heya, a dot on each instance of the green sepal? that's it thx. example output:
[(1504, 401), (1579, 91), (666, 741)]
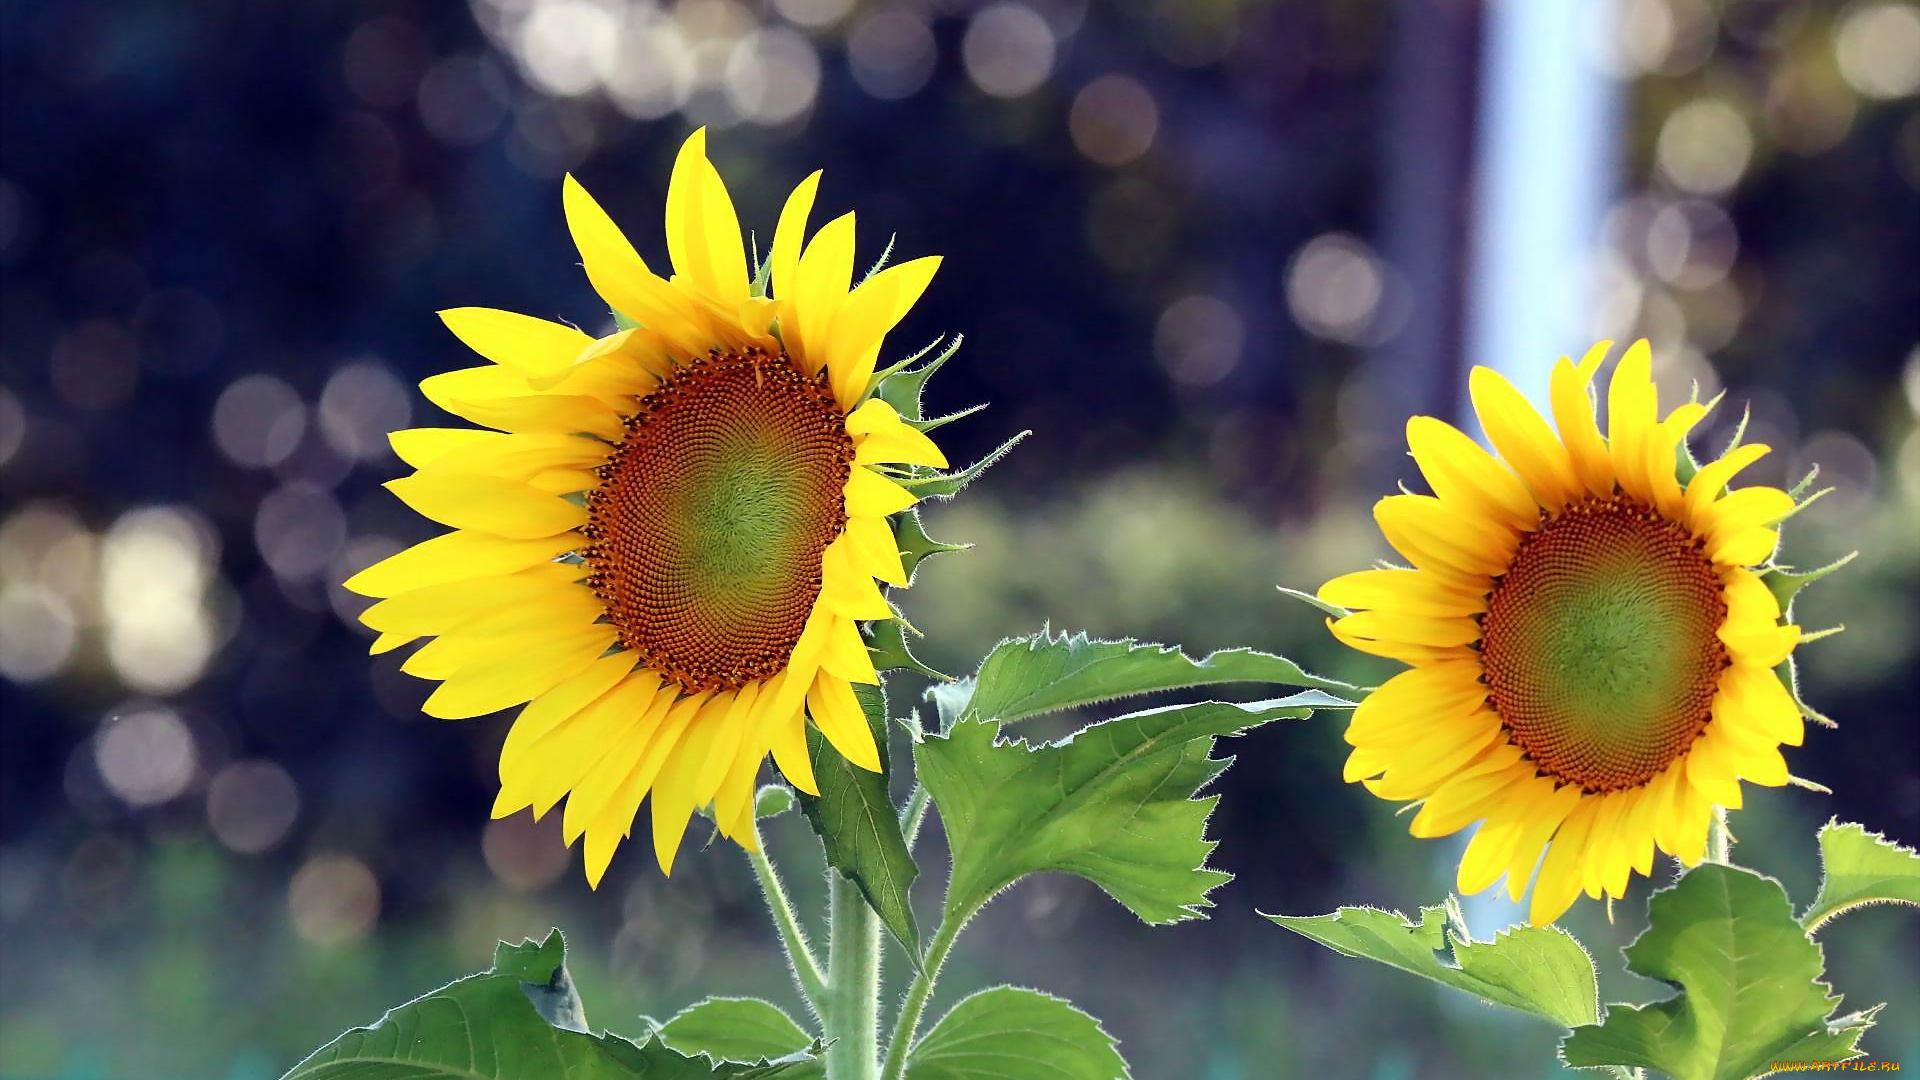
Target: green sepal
[(859, 827), (1858, 868), (1748, 982), (1307, 598), (1785, 583), (1540, 970), (902, 388), (948, 484), (887, 643), (916, 547), (623, 321), (1789, 675)]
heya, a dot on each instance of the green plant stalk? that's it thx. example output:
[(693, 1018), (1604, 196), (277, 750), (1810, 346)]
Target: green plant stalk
[(852, 1020), (1719, 839), (907, 1025), (806, 970), (914, 814)]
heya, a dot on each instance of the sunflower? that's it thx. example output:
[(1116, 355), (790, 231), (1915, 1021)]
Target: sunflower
[(1593, 653), (664, 541)]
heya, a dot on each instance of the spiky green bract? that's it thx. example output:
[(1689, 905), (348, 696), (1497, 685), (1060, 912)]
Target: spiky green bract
[(858, 826), (1541, 970), (1749, 987), (735, 1029), (1860, 868), (521, 1019), (1008, 1033), (1115, 803), (1048, 672)]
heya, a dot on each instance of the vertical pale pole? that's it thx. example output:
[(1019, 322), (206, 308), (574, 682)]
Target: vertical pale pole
[(1547, 151)]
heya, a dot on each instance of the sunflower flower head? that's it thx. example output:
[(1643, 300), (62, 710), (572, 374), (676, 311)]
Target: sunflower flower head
[(665, 542), (1597, 659)]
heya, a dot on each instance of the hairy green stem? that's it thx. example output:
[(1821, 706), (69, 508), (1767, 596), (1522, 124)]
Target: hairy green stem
[(907, 1025), (806, 970), (852, 1020), (915, 813), (1719, 839)]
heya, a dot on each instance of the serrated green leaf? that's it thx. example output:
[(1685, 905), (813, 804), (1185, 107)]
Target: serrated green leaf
[(1541, 970), (1045, 672), (1860, 868), (859, 827), (1007, 1033), (488, 1027), (916, 546), (735, 1029), (1115, 804), (1786, 583), (1749, 982), (948, 484)]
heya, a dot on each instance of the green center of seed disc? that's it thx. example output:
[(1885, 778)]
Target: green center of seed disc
[(1600, 644)]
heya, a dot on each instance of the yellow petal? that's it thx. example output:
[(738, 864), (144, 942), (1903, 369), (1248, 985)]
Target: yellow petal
[(1543, 817), (871, 311), (456, 556), (420, 447), (1463, 800), (1468, 477), (1742, 510), (1523, 438), (1434, 537), (838, 714), (703, 232), (546, 712), (613, 267), (823, 277), (484, 504), (1713, 477), (735, 718), (788, 235), (790, 752), (553, 414), (874, 549), (1413, 592), (1663, 457), (438, 608), (476, 691), (1632, 408), (846, 590), (1558, 883), (1415, 629), (1487, 854), (846, 655), (1756, 698), (533, 348), (1749, 547), (881, 437), (869, 494), (1573, 412)]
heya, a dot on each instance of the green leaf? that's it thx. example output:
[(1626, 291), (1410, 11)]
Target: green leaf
[(494, 1026), (1541, 970), (1115, 804), (1861, 868), (859, 827), (735, 1029), (1749, 982), (1045, 672), (1786, 582), (1007, 1033)]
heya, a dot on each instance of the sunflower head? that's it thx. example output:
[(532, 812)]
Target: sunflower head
[(666, 542), (1594, 627)]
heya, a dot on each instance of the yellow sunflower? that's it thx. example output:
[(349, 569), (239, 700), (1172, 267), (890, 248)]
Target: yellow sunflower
[(665, 540), (1592, 650)]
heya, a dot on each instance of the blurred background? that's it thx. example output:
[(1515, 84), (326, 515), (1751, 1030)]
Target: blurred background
[(1213, 252)]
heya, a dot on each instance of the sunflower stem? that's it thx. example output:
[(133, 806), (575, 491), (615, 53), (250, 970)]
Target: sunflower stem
[(806, 970), (1719, 838), (907, 1024), (852, 1020)]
